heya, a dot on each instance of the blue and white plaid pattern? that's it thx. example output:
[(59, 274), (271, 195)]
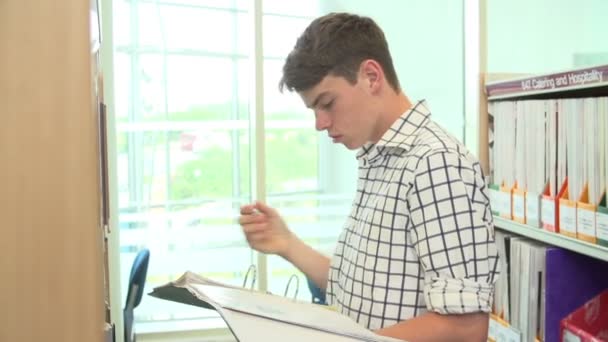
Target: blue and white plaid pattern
[(420, 235)]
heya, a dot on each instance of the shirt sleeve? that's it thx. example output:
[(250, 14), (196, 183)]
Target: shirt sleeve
[(452, 231)]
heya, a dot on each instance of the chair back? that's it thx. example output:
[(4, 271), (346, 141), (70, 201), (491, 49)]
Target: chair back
[(318, 295), (137, 281)]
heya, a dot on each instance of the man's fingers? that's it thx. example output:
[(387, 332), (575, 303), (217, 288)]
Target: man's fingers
[(263, 208), (248, 209), (255, 228), (247, 219), (256, 237)]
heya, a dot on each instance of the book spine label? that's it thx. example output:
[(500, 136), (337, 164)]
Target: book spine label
[(567, 220), (519, 206), (547, 213), (602, 225), (532, 209), (586, 224)]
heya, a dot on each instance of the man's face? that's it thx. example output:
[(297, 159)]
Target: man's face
[(342, 109)]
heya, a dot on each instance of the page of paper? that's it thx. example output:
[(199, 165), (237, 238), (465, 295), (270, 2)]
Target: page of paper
[(251, 328), (193, 278), (285, 310)]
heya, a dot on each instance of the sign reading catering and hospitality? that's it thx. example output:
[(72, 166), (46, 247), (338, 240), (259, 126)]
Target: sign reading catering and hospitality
[(581, 78)]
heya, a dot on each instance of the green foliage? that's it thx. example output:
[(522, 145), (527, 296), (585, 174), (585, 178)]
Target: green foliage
[(209, 112), (208, 176), (291, 156)]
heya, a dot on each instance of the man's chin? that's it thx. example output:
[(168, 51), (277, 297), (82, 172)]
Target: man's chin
[(351, 147), (348, 144)]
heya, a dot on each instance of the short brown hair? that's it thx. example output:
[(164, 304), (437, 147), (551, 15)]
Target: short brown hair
[(336, 44)]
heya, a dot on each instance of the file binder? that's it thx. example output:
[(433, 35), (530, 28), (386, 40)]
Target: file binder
[(567, 213), (585, 218), (501, 200), (549, 207), (601, 218), (519, 204), (533, 209), (245, 311), (500, 331)]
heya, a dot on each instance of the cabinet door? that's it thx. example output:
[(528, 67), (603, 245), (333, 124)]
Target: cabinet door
[(51, 243)]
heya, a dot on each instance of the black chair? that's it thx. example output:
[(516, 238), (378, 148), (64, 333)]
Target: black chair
[(137, 280), (318, 295)]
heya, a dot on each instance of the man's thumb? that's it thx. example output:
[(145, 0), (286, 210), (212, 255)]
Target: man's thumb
[(265, 209)]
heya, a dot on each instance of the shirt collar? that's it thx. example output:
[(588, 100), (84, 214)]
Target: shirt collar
[(400, 136)]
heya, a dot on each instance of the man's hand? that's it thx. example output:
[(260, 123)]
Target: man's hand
[(266, 232), (264, 229)]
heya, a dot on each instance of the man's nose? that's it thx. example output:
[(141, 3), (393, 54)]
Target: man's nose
[(322, 121)]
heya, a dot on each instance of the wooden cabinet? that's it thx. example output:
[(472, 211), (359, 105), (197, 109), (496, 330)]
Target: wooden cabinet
[(51, 247)]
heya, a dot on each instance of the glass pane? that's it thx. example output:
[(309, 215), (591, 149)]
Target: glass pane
[(182, 148), (286, 105), (200, 88), (292, 163), (150, 94), (291, 141), (187, 27), (280, 33), (227, 4), (121, 23), (122, 91), (292, 8), (300, 162), (551, 35)]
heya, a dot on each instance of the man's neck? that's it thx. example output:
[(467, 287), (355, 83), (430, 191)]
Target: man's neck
[(395, 106)]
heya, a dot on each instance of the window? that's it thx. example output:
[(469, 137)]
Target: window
[(182, 86), (182, 82)]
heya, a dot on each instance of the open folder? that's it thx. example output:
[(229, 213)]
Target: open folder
[(257, 316)]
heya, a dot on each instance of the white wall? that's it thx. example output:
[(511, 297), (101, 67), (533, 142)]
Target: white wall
[(426, 41), (546, 35)]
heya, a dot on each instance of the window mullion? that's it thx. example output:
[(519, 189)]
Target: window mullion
[(234, 115), (258, 167)]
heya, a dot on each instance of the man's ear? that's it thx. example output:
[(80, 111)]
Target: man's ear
[(372, 74)]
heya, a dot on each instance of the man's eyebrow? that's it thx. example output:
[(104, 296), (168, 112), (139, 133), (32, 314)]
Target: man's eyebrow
[(317, 99)]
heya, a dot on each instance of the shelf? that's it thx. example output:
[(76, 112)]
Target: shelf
[(573, 83), (554, 239)]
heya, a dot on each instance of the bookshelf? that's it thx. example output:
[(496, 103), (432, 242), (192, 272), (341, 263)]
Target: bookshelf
[(520, 141), (585, 82), (539, 234), (504, 86), (577, 83)]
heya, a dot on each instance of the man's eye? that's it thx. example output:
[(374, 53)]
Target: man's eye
[(328, 105)]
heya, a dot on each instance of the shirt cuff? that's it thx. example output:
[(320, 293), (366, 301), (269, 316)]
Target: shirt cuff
[(458, 296)]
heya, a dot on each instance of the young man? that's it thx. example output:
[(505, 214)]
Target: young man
[(416, 259)]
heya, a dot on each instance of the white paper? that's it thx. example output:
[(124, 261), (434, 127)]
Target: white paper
[(249, 313), (251, 328), (285, 310)]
